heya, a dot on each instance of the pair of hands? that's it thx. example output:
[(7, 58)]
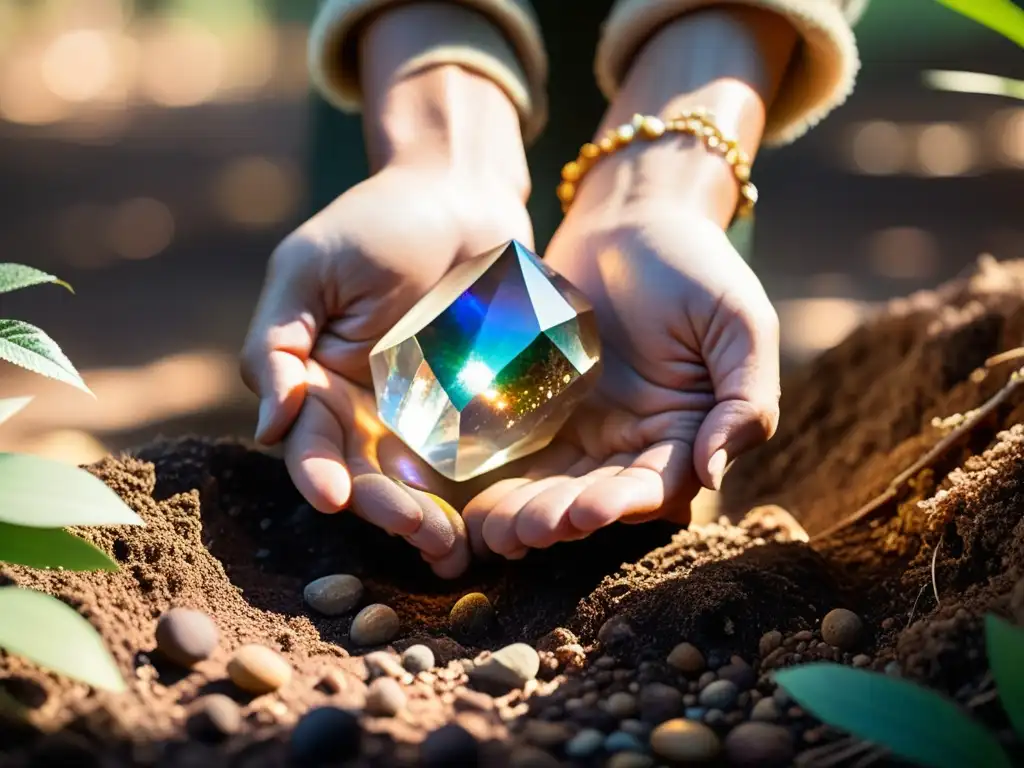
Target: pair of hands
[(690, 348)]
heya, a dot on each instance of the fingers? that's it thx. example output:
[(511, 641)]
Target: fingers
[(314, 455), (744, 366), (281, 337), (331, 454)]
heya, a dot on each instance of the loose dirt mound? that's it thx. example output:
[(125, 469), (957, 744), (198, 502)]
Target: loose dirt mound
[(227, 534)]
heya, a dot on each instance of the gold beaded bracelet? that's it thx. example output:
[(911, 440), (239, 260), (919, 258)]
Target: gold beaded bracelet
[(697, 122)]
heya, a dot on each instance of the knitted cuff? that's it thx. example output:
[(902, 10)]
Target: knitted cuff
[(820, 77), (504, 45)]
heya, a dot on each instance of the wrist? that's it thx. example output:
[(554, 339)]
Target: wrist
[(728, 60), (442, 116)]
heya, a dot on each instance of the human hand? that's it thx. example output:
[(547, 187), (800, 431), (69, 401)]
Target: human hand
[(689, 382), (444, 192)]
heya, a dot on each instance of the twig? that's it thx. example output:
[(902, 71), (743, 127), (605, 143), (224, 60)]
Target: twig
[(935, 560), (1011, 354), (928, 459), (913, 608)]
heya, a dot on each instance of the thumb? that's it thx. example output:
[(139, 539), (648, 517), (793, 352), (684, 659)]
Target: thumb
[(281, 337), (743, 362)]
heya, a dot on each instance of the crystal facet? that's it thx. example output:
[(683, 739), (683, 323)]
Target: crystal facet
[(488, 366)]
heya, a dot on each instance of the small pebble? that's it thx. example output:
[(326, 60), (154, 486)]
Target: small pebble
[(759, 744), (706, 679), (716, 658), (615, 633), (842, 628), (621, 705), (630, 760), (214, 717), (257, 669), (507, 669), (720, 694), (687, 658), (186, 636), (685, 741), (660, 702), (620, 741), (325, 735), (376, 624), (471, 616), (584, 744), (418, 658), (532, 757), (545, 734), (385, 697), (766, 710), (450, 746), (383, 664), (333, 595), (695, 713), (714, 717), (769, 642), (741, 675), (893, 669), (338, 680), (861, 660), (636, 727)]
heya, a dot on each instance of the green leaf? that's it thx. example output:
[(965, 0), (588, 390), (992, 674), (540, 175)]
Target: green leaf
[(1001, 16), (974, 82), (912, 722), (50, 548), (42, 493), (14, 277), (12, 406), (29, 347), (1005, 647), (45, 630)]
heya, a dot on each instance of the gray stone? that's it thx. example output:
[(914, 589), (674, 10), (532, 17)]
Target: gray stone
[(418, 658), (720, 694), (506, 669), (584, 744), (842, 628), (186, 636), (759, 744), (385, 697), (334, 595)]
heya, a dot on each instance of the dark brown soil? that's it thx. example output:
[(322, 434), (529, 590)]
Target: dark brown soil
[(227, 534)]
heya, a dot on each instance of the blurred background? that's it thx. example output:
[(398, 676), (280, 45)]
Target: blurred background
[(153, 152)]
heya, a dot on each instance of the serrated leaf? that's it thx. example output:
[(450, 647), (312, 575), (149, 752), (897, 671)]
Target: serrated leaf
[(974, 82), (12, 406), (45, 630), (42, 493), (29, 347), (14, 277), (50, 548), (912, 722), (1001, 16), (1005, 647)]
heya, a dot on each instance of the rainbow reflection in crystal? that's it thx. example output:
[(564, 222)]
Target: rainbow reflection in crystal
[(488, 366)]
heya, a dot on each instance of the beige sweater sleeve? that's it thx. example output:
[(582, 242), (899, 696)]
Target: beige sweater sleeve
[(820, 77), (504, 43)]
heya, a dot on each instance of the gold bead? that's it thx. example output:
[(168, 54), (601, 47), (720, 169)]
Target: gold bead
[(743, 158), (712, 142), (566, 192), (637, 120), (732, 157), (624, 134), (606, 145), (742, 171), (710, 130), (651, 128), (590, 151), (571, 171), (694, 126), (749, 191)]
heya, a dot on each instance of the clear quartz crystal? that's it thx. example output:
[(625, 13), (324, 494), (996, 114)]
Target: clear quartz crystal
[(488, 366)]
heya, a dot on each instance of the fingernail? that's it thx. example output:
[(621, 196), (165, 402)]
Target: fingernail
[(716, 467), (263, 420)]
